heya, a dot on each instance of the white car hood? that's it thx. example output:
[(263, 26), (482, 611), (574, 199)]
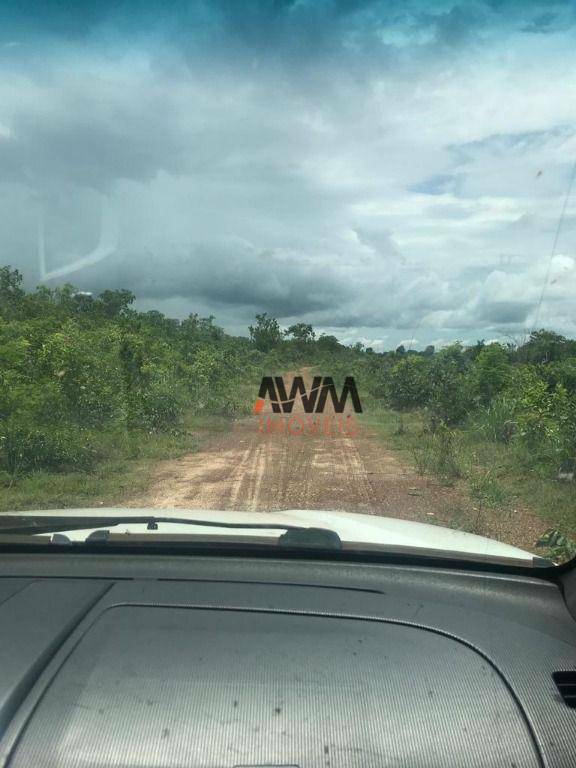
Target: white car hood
[(351, 527)]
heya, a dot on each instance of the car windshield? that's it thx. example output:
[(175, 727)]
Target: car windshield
[(305, 264)]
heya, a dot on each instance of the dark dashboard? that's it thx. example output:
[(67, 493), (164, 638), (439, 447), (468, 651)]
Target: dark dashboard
[(226, 662)]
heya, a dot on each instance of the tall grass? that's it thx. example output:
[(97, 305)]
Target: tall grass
[(496, 475), (438, 453), (496, 422)]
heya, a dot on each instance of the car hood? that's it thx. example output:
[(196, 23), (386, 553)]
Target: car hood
[(352, 528)]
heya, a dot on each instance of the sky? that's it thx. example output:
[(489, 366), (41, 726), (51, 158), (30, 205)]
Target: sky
[(389, 172)]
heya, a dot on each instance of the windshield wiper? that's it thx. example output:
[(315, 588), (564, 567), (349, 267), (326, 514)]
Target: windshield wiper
[(293, 536)]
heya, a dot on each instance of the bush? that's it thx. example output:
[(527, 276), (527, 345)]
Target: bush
[(485, 488), (496, 422), (24, 447), (86, 369), (546, 418), (157, 406), (450, 399), (490, 372), (407, 383), (559, 546), (438, 454)]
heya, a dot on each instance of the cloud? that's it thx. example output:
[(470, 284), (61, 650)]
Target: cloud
[(229, 273), (364, 166), (440, 184), (120, 127)]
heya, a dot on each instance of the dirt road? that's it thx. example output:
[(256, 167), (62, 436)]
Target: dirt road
[(248, 470), (253, 469)]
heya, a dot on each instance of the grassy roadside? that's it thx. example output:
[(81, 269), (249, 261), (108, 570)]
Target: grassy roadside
[(125, 460), (124, 472), (495, 478)]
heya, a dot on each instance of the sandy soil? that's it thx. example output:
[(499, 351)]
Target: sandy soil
[(252, 469)]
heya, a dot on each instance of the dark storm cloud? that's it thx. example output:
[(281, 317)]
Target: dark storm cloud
[(278, 27), (226, 274), (92, 139), (459, 25), (60, 17), (281, 29), (541, 24)]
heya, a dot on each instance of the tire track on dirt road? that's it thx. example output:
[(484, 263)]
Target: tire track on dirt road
[(246, 469)]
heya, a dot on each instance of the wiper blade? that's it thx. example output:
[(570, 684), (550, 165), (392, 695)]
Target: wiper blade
[(293, 536)]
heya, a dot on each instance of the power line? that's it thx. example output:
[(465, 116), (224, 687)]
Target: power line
[(554, 245)]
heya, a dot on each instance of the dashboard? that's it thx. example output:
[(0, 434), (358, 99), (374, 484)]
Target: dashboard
[(155, 662)]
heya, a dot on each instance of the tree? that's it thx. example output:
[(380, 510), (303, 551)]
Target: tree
[(545, 347), (303, 333), (329, 343), (408, 383), (266, 333), (490, 372), (115, 303), (473, 352), (11, 292), (450, 396), (562, 372)]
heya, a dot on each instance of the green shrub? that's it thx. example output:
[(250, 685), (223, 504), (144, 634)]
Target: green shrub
[(496, 422), (85, 367), (407, 383), (559, 546), (438, 454), (24, 447), (490, 372), (157, 406), (485, 488), (451, 390)]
